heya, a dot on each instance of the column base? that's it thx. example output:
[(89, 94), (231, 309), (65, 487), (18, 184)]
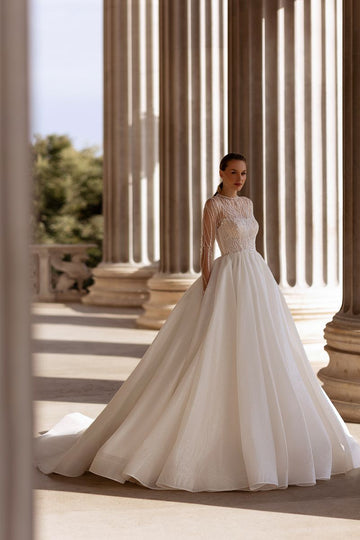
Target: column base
[(120, 284), (311, 308), (341, 377), (165, 291)]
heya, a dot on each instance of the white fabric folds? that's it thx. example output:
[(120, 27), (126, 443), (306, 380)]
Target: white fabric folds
[(223, 399)]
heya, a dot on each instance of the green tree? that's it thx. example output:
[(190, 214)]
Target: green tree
[(67, 194)]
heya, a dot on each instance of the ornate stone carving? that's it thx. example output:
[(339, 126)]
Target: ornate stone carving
[(73, 272), (55, 279)]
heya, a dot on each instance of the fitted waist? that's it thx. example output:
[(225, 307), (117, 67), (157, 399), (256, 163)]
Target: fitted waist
[(238, 250)]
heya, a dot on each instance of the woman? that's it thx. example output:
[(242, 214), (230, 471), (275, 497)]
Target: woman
[(225, 397)]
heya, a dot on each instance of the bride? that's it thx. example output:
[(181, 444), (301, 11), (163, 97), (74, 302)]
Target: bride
[(225, 397)]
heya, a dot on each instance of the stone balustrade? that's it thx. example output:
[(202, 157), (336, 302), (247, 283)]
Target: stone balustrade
[(55, 279)]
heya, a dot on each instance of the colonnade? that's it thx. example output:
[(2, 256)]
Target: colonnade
[(165, 113), (285, 107), (262, 78), (289, 130), (259, 78), (193, 134)]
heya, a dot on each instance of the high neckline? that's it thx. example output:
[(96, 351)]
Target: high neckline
[(227, 197)]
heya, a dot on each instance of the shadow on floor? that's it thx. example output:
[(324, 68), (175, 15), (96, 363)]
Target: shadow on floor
[(53, 346), (74, 390), (83, 308), (338, 497), (76, 320)]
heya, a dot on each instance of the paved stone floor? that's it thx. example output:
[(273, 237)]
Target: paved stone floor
[(81, 355)]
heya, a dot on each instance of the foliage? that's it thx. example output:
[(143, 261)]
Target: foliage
[(67, 202)]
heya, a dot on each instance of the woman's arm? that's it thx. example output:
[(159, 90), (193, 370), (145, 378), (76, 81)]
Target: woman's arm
[(208, 229)]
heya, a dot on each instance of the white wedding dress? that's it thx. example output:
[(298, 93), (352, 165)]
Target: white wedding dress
[(224, 398)]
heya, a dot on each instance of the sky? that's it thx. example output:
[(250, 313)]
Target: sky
[(66, 57)]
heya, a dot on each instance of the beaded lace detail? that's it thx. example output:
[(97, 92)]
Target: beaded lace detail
[(229, 220)]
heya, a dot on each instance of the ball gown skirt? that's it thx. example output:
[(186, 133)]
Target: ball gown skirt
[(224, 399)]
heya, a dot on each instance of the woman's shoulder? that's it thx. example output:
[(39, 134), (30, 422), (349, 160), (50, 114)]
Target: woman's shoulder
[(247, 203), (212, 207), (211, 202), (246, 199)]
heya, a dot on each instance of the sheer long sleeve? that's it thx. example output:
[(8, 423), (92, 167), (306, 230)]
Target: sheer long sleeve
[(208, 230)]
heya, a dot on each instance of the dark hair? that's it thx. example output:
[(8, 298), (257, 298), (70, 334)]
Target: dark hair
[(224, 163)]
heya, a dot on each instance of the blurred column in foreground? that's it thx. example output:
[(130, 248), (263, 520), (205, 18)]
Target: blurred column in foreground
[(131, 168), (193, 133), (285, 116), (16, 469), (342, 376)]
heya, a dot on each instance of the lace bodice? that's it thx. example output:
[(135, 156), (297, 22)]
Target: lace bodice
[(229, 220)]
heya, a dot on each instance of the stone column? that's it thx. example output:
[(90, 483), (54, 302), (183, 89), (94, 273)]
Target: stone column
[(342, 376), (16, 469), (193, 138), (131, 169), (284, 116)]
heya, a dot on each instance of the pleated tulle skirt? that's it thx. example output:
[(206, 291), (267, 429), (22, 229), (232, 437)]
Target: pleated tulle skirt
[(223, 399)]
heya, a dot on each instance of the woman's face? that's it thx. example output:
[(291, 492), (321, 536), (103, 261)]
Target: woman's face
[(234, 176)]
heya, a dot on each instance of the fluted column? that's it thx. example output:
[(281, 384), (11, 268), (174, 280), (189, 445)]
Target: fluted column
[(193, 128), (284, 116), (342, 376), (131, 161), (16, 468)]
